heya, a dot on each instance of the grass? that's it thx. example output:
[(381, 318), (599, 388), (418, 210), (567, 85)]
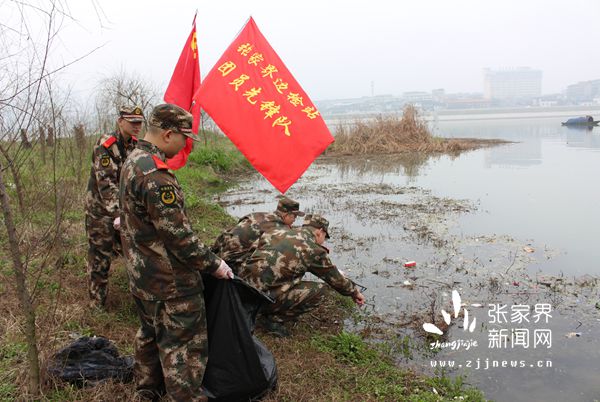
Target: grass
[(11, 353), (382, 380), (217, 157), (348, 368), (345, 366)]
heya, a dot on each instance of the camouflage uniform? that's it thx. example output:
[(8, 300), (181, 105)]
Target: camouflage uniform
[(238, 243), (102, 205), (281, 260), (164, 264)]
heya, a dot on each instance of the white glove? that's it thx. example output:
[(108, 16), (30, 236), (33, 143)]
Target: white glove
[(117, 223), (223, 272)]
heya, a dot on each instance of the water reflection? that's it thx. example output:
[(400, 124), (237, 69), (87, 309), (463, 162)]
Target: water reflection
[(583, 138), (408, 165), (538, 192), (580, 128), (521, 155), (511, 130)]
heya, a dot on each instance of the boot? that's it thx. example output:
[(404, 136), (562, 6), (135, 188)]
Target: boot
[(272, 327)]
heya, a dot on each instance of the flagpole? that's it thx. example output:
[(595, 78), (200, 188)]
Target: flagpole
[(202, 127), (185, 74), (193, 101)]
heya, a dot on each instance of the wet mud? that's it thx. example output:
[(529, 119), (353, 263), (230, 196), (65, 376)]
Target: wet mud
[(378, 225)]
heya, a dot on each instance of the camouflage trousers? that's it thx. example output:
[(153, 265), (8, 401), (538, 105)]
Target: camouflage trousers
[(103, 244), (299, 299), (171, 348)]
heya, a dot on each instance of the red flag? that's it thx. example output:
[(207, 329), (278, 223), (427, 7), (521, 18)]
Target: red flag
[(184, 83), (259, 105)]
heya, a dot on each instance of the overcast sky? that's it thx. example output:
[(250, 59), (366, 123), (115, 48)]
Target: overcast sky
[(335, 48)]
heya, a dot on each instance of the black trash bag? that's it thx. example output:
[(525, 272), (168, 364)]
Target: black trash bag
[(240, 367), (90, 360)]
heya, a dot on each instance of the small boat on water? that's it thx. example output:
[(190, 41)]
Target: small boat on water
[(581, 121)]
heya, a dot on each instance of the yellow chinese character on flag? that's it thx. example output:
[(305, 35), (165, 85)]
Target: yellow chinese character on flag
[(256, 58), (311, 112), (284, 122), (268, 71), (238, 82), (245, 49), (279, 85), (227, 67), (251, 94), (295, 99), (194, 46), (270, 107)]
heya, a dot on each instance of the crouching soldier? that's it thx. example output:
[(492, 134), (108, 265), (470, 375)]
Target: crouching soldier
[(279, 264), (102, 200), (238, 243)]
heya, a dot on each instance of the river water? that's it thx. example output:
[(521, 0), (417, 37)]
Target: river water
[(510, 227)]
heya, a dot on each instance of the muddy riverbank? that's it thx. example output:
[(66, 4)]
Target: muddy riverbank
[(380, 222)]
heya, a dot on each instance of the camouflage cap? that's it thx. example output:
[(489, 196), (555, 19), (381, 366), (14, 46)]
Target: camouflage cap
[(289, 206), (317, 221), (131, 113), (171, 117)]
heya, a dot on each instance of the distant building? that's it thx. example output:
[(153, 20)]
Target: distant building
[(468, 103), (417, 96), (439, 95), (549, 100), (584, 91), (366, 105), (547, 103), (512, 84)]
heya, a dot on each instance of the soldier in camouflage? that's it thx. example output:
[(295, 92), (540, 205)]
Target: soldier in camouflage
[(102, 200), (165, 260), (238, 243), (277, 266)]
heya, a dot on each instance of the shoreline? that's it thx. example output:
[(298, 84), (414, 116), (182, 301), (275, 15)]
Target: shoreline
[(486, 267), (475, 114)]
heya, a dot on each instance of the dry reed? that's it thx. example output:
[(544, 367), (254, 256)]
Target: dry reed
[(390, 134)]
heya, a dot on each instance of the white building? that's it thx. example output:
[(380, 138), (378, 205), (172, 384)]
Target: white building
[(514, 83)]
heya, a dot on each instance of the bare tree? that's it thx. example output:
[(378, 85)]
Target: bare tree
[(119, 89), (24, 140), (42, 141), (50, 137), (27, 100)]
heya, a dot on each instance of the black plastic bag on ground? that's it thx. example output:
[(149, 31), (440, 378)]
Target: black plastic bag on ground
[(240, 367), (90, 360)]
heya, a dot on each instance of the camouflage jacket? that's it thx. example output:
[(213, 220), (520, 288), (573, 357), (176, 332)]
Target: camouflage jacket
[(110, 151), (238, 243), (283, 257), (164, 256)]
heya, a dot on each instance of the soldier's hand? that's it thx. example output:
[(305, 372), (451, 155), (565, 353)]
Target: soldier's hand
[(358, 298), (117, 223), (223, 272)]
